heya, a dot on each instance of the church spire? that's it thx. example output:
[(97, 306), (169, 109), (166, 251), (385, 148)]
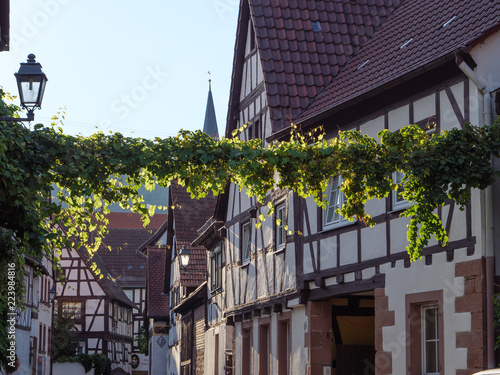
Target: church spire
[(210, 126)]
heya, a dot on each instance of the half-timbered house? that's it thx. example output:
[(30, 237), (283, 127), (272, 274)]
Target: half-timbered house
[(309, 291), (34, 319), (119, 253), (102, 313)]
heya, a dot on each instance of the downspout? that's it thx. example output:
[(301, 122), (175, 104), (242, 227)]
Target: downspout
[(487, 212)]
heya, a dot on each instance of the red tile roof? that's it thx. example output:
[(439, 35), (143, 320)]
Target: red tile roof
[(196, 271), (107, 281), (130, 220), (126, 235), (414, 36), (304, 44), (189, 216), (158, 304)]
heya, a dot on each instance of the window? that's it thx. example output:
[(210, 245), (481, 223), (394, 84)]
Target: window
[(216, 355), (81, 347), (129, 293), (246, 351), (280, 227), (72, 310), (124, 353), (284, 349), (216, 269), (40, 338), (113, 351), (28, 296), (424, 332), (398, 202), (264, 349), (49, 350), (254, 129), (245, 244), (430, 340), (335, 198)]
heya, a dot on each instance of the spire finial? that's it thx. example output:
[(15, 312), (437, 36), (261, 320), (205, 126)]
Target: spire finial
[(209, 76)]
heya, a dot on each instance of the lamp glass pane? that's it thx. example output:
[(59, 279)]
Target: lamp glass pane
[(30, 92)]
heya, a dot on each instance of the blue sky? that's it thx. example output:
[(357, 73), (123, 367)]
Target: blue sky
[(139, 68)]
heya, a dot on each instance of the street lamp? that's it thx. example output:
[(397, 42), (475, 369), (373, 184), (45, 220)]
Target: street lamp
[(184, 256), (52, 293), (31, 83)]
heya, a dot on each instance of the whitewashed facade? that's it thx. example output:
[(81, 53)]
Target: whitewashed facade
[(34, 322)]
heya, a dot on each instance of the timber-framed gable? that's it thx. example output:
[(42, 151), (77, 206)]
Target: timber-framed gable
[(102, 313)]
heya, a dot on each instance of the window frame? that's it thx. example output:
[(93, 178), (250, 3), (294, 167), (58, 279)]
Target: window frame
[(246, 243), (265, 346), (67, 309), (339, 199), (280, 228), (82, 347), (216, 265), (397, 202), (415, 303), (426, 340), (284, 336), (113, 351)]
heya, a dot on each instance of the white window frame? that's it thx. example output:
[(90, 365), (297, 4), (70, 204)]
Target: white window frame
[(335, 200), (398, 203), (280, 227), (426, 340), (216, 269), (246, 242)]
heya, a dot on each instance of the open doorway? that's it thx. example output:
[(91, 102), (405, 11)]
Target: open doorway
[(353, 326)]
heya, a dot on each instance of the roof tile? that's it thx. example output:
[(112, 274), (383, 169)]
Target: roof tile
[(388, 61)]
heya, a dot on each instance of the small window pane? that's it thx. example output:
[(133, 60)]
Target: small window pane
[(431, 324), (280, 227), (335, 199), (431, 357), (246, 242), (430, 340)]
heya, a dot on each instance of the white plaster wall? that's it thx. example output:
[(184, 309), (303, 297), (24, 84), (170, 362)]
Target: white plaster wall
[(399, 241), (399, 117), (23, 351), (225, 343), (173, 352), (290, 267), (299, 326), (348, 248), (486, 57), (373, 242), (308, 260), (421, 278), (328, 256), (372, 127), (158, 356), (424, 108), (448, 118), (299, 357)]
